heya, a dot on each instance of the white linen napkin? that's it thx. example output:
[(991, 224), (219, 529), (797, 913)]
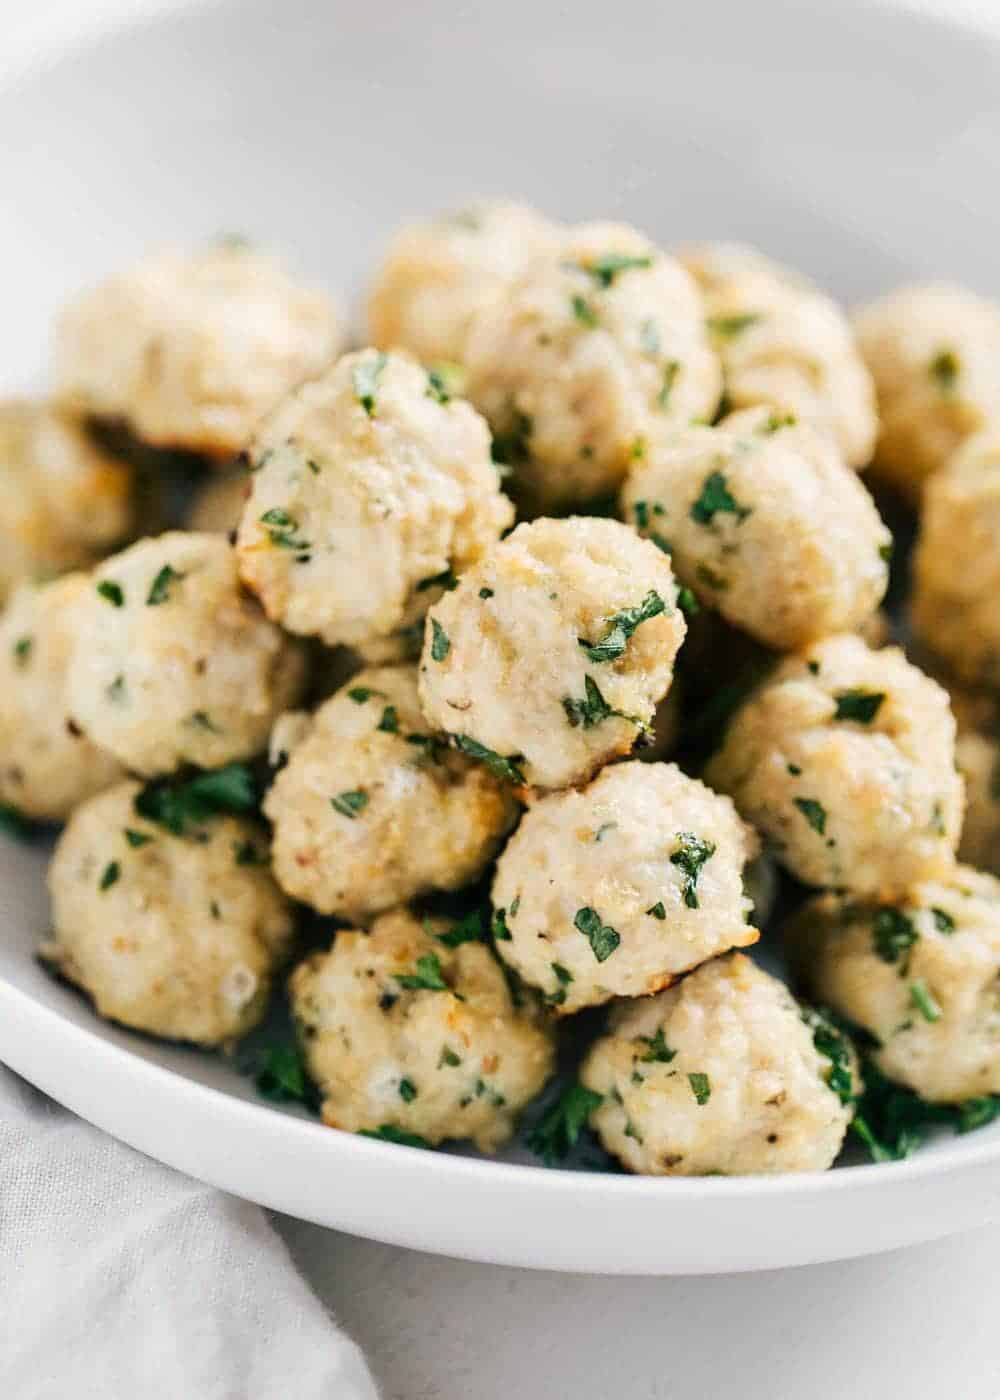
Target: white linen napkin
[(121, 1279)]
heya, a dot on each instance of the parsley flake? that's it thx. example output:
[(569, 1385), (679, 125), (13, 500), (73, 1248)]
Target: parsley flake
[(833, 1045), (603, 939), (943, 921), (499, 766), (159, 590), (701, 1087), (861, 706), (427, 975), (690, 856), (657, 911), (365, 377), (945, 369), (591, 710), (814, 813), (922, 998), (389, 723), (608, 266), (111, 592), (657, 1049), (22, 651), (407, 1090), (728, 327), (620, 628), (137, 838), (110, 875), (670, 372), (388, 1132), (893, 934), (440, 641), (716, 499), (560, 1128), (349, 804), (584, 312), (178, 803), (280, 1075)]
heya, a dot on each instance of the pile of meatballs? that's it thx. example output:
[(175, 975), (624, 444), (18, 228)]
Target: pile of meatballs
[(431, 594)]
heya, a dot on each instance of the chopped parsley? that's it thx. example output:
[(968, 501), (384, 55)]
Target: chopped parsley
[(486, 593), (349, 804), (281, 528), (159, 590), (620, 628), (22, 651), (280, 1075), (498, 926), (564, 977), (116, 690), (833, 1044), (440, 641), (437, 387), (407, 1090), (362, 693), (943, 921), (446, 579), (110, 875), (892, 1121), (686, 600), (584, 312), (690, 856), (449, 1058), (657, 910), (137, 838), (388, 1132), (728, 327), (111, 592), (499, 766), (178, 803), (470, 928), (923, 999), (893, 934), (657, 1049), (365, 377), (814, 813), (701, 1087), (559, 1129), (389, 723), (775, 423), (670, 372), (591, 710), (427, 975), (944, 370), (603, 939), (608, 266), (861, 706), (716, 499)]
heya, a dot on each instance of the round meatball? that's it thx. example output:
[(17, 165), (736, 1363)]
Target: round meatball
[(406, 1032), (191, 350), (47, 764), (177, 935), (934, 353), (765, 524), (371, 809), (218, 504), (921, 976), (554, 650), (173, 663), (62, 499), (785, 345), (599, 340), (436, 275), (616, 889), (371, 489), (845, 758), (956, 567), (720, 1075)]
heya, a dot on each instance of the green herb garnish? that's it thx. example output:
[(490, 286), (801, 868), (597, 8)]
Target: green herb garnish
[(716, 499), (499, 766), (621, 626), (440, 641), (365, 377), (814, 813), (426, 977), (701, 1087), (182, 802), (110, 875), (690, 856), (559, 1129), (111, 592), (349, 804), (602, 938), (861, 706), (159, 590)]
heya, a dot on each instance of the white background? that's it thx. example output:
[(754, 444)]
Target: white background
[(921, 1323)]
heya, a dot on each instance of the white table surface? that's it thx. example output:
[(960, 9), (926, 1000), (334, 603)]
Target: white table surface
[(920, 1323)]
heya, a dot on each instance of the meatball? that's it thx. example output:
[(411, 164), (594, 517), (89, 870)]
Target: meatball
[(436, 275), (372, 810), (218, 504), (551, 654), (616, 889), (720, 1075), (47, 764), (191, 350), (956, 566), (977, 758), (371, 489), (598, 341), (172, 663), (409, 1032), (62, 499), (177, 935), (764, 523), (934, 353), (845, 758), (920, 975), (786, 346)]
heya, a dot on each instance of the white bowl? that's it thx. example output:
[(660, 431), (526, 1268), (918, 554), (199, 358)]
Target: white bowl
[(855, 140)]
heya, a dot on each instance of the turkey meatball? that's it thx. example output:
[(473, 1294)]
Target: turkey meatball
[(176, 935), (550, 656), (408, 1033), (371, 809), (598, 341), (192, 350), (845, 758), (371, 490), (47, 764), (720, 1075), (436, 275), (921, 975), (617, 889), (62, 499), (765, 524), (785, 345), (934, 353), (956, 568), (173, 663)]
